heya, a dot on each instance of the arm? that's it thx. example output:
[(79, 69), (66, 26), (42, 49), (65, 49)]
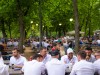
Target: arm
[(6, 71)]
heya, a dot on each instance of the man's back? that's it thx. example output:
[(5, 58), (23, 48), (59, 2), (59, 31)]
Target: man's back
[(3, 69), (55, 67), (83, 68), (33, 68), (96, 65)]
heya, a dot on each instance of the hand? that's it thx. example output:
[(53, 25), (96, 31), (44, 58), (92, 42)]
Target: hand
[(17, 66)]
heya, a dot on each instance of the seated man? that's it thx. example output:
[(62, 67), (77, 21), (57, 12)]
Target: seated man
[(69, 59), (46, 56), (96, 64), (82, 67), (54, 66), (90, 57), (17, 61), (34, 67)]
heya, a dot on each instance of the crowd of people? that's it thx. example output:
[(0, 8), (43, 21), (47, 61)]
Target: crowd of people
[(55, 57)]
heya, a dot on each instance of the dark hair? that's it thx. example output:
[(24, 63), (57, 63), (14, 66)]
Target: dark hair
[(42, 48), (16, 49), (54, 53), (82, 54), (54, 44), (37, 56), (88, 48)]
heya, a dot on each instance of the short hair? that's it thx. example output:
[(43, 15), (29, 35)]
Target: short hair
[(97, 52), (35, 56), (82, 54), (16, 50), (54, 44), (88, 48), (42, 48)]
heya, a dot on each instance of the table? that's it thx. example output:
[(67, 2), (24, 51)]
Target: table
[(6, 62), (15, 72)]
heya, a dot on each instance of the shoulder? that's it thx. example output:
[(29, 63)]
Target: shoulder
[(65, 56), (92, 56), (41, 63), (48, 55), (74, 57), (22, 57), (97, 61), (12, 58)]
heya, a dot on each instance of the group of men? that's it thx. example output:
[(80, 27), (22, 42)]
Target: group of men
[(44, 63)]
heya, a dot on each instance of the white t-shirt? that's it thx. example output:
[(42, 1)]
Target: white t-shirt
[(92, 59), (67, 61), (55, 67), (15, 44), (9, 43), (82, 68), (46, 59), (45, 44), (98, 41), (96, 65), (33, 68), (3, 69), (20, 61), (34, 43)]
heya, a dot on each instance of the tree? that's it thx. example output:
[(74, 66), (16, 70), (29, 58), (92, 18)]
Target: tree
[(76, 25)]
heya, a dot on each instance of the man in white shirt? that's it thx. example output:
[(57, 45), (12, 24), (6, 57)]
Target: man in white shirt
[(54, 66), (45, 44), (82, 67), (34, 67), (46, 56), (1, 59), (90, 57), (15, 43), (98, 41), (9, 43), (3, 69), (17, 61), (69, 59), (96, 64)]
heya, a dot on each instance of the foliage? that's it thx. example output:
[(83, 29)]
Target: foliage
[(53, 13)]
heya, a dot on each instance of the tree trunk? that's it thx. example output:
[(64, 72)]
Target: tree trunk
[(76, 26), (9, 29), (40, 17), (21, 25), (46, 31), (3, 29)]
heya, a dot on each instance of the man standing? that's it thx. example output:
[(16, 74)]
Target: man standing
[(97, 62), (34, 67), (17, 61), (82, 67), (54, 66)]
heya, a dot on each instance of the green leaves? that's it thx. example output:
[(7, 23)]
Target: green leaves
[(53, 13)]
